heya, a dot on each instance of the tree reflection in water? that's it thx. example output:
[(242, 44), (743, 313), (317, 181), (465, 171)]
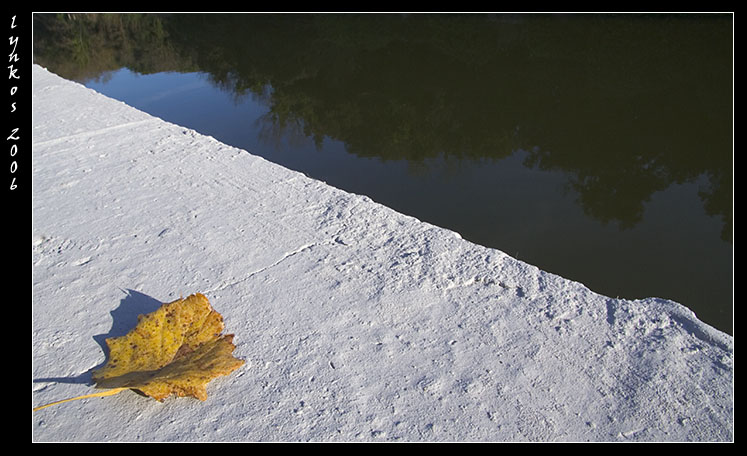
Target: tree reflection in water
[(624, 106)]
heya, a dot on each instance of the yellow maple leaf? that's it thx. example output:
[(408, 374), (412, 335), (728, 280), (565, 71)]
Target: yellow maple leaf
[(176, 349)]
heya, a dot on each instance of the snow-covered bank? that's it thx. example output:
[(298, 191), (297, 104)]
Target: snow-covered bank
[(357, 323)]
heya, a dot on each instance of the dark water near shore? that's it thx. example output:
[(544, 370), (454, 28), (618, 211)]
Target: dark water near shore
[(596, 147)]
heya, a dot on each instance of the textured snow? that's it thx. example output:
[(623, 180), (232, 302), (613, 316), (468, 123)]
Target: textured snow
[(357, 323)]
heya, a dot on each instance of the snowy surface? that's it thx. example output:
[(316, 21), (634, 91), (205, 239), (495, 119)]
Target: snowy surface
[(357, 323)]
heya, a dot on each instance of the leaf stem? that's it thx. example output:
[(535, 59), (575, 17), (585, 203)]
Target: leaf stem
[(110, 392)]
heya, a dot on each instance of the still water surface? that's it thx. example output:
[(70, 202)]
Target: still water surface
[(603, 155)]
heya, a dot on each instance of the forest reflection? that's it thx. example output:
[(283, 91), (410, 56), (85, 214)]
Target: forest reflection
[(626, 105), (631, 114)]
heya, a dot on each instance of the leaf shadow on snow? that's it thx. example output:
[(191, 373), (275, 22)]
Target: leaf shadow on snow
[(124, 318)]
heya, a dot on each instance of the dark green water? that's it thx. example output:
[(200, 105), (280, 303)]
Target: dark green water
[(597, 147)]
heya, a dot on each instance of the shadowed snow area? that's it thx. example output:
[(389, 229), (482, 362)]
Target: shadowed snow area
[(357, 323)]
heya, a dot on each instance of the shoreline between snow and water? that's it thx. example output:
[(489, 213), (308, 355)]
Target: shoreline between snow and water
[(357, 323)]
